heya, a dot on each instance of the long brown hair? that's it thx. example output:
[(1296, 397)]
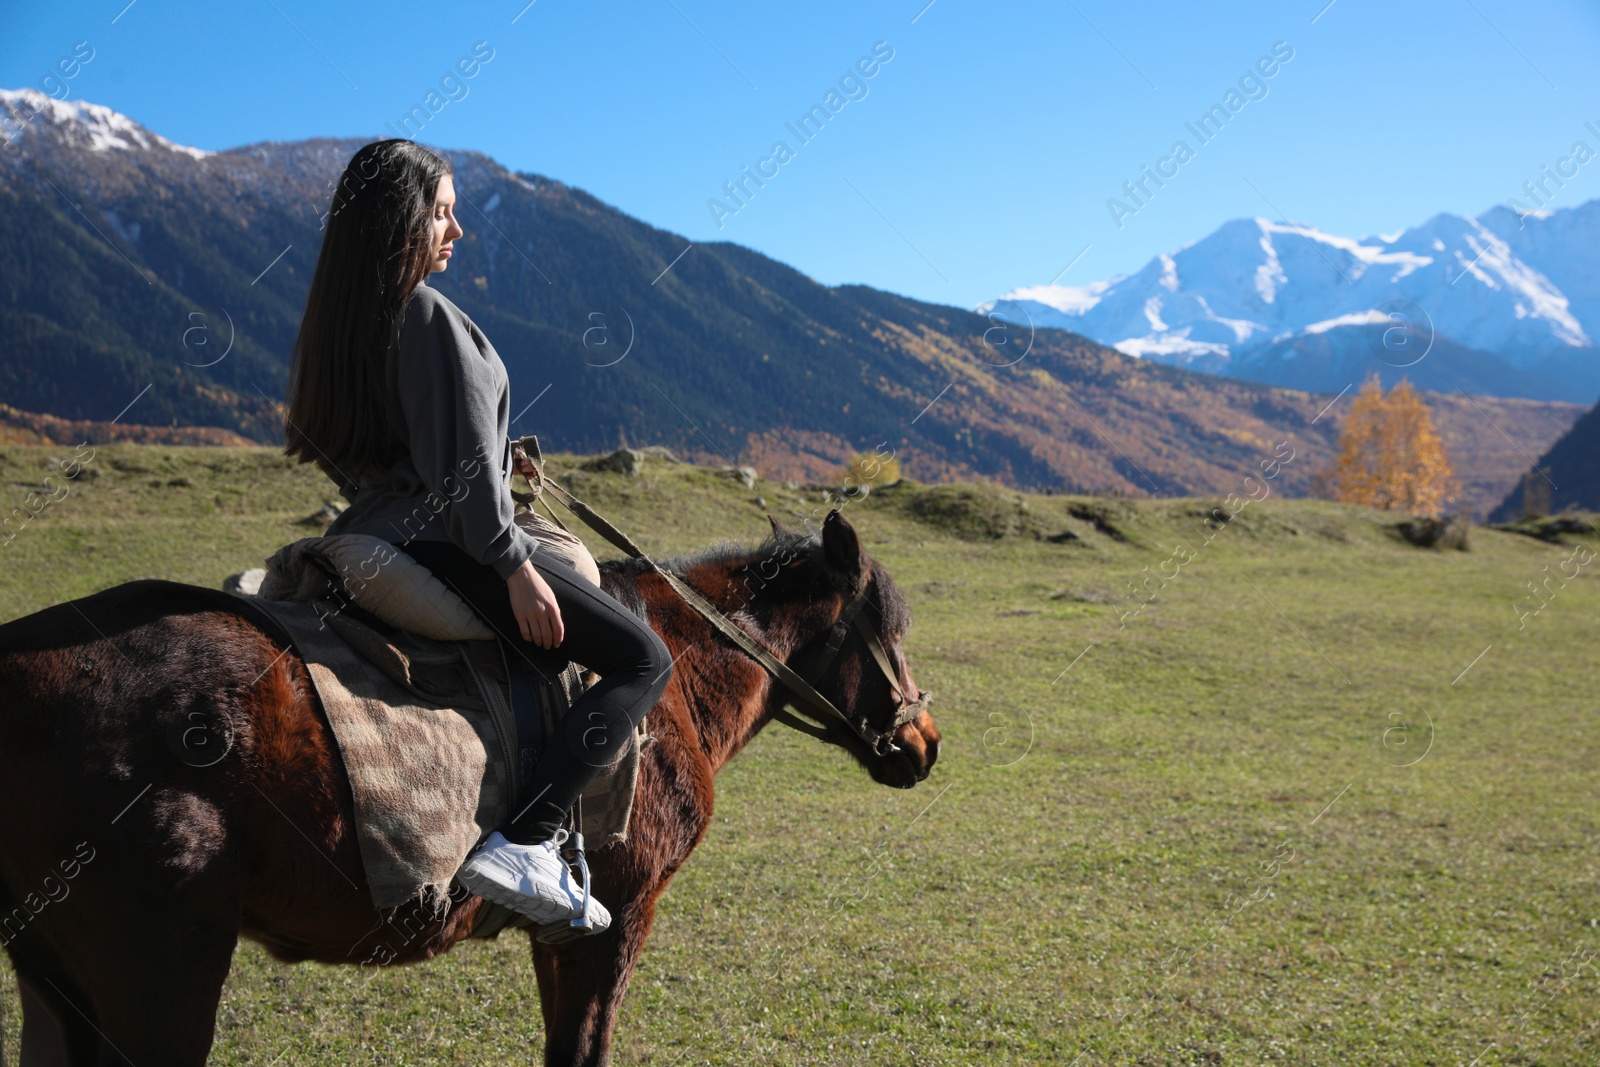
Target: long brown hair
[(374, 255)]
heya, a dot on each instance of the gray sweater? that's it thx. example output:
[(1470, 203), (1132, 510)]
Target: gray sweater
[(455, 402)]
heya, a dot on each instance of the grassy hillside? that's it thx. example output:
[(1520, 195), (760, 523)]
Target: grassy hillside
[(1319, 801)]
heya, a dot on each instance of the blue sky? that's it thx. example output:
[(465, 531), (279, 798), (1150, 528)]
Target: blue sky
[(979, 158)]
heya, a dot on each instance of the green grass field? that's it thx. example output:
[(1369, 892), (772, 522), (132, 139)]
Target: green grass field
[(1324, 799)]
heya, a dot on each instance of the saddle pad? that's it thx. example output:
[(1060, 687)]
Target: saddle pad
[(426, 736)]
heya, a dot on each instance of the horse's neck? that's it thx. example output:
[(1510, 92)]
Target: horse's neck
[(729, 694)]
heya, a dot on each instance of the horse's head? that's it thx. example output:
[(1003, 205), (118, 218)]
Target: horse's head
[(855, 658)]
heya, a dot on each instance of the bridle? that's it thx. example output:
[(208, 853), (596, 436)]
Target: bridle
[(803, 696), (880, 741)]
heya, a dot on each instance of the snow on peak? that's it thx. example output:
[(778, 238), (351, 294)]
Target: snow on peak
[(1269, 275), (1536, 296), (1517, 287), (1173, 347), (1365, 256), (1152, 314), (1169, 274), (1066, 299), (1243, 329), (94, 126), (1355, 318)]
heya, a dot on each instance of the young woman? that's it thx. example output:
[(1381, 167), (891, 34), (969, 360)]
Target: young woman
[(402, 401)]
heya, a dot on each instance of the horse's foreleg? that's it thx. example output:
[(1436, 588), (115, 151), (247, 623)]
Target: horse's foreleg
[(125, 1011), (156, 1006), (54, 1032), (588, 979), (544, 967), (150, 943)]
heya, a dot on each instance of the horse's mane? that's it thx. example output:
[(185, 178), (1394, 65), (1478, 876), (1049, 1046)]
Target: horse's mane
[(721, 554), (620, 576)]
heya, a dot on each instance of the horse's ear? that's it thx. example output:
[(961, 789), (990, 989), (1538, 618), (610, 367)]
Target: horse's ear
[(778, 528), (842, 548)]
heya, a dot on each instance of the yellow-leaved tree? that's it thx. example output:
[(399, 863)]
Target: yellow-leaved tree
[(1390, 454), (875, 469)]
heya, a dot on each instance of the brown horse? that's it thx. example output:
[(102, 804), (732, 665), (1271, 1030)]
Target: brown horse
[(127, 874)]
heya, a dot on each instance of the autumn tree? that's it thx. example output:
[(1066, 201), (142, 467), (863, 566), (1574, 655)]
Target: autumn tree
[(1390, 455), (875, 469)]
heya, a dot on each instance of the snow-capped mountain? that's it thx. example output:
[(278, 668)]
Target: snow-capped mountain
[(163, 287), (1521, 289), (79, 124)]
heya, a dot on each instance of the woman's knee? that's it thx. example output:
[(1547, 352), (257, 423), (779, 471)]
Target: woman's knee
[(648, 652), (642, 649), (660, 659)]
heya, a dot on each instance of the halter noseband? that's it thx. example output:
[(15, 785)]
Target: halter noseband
[(880, 741)]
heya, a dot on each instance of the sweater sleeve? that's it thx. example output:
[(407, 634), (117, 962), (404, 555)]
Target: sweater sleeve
[(450, 398)]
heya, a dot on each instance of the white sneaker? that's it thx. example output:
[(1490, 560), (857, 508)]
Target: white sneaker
[(532, 880)]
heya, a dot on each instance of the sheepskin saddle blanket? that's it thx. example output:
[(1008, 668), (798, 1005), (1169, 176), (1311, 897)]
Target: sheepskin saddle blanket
[(420, 700)]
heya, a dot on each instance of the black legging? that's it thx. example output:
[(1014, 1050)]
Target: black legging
[(602, 635)]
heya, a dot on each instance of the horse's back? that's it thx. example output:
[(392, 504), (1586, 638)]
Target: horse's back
[(103, 660), (122, 690), (121, 609)]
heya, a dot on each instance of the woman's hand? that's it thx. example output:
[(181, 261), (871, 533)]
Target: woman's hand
[(534, 605)]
